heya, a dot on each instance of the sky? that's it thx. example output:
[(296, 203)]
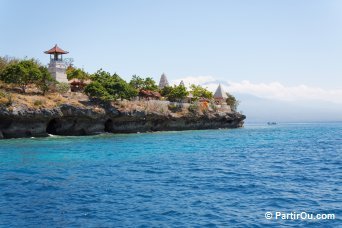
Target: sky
[(285, 54)]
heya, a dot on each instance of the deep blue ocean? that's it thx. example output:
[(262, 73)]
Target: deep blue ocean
[(213, 178)]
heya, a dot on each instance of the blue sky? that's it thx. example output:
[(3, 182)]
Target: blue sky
[(249, 46)]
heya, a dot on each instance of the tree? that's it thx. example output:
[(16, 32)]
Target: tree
[(177, 93), (232, 102), (101, 76), (45, 81), (22, 73), (120, 89), (95, 89), (110, 86), (150, 84), (5, 61), (146, 84), (166, 90), (198, 92), (137, 82), (76, 73)]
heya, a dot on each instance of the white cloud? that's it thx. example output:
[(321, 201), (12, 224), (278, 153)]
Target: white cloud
[(272, 90), (199, 80)]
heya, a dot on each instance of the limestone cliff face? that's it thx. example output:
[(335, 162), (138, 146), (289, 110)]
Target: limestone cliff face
[(73, 120), (153, 122)]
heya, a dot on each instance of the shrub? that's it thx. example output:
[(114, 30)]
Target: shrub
[(198, 91), (232, 102), (193, 107), (45, 81), (213, 106), (38, 103), (175, 107), (5, 98), (62, 87), (2, 93)]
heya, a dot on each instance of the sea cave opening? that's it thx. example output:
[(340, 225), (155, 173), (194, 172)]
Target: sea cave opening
[(52, 127), (108, 126)]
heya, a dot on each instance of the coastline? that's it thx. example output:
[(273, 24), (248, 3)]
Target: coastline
[(96, 118)]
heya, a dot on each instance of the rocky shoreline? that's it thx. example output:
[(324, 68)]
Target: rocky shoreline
[(72, 120)]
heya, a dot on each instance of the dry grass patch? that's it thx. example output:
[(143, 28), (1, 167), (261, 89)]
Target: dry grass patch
[(49, 101), (151, 106)]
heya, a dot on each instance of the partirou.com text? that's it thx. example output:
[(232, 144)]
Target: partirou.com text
[(278, 215)]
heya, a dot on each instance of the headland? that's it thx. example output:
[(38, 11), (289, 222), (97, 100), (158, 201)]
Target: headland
[(75, 114)]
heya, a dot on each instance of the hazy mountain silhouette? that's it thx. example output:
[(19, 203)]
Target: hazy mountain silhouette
[(263, 110)]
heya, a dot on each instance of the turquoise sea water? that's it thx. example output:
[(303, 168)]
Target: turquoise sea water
[(222, 178)]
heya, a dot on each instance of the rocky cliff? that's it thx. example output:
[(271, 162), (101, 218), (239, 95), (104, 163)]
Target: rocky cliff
[(93, 118)]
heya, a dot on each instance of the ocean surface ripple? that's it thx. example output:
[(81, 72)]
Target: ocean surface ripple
[(214, 178)]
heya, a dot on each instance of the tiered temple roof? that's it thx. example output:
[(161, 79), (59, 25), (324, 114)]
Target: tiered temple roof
[(163, 81), (56, 50), (220, 94)]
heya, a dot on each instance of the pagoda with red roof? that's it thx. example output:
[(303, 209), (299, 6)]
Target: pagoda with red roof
[(57, 67)]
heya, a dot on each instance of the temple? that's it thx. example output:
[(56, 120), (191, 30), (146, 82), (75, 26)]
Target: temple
[(220, 96), (163, 81), (57, 67)]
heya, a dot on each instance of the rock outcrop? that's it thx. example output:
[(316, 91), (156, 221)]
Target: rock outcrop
[(67, 119)]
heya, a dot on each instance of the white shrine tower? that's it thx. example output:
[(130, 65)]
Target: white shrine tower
[(163, 81), (57, 67)]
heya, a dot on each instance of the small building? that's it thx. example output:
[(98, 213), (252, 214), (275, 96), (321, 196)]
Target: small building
[(77, 85), (149, 95), (163, 81), (57, 67), (220, 96)]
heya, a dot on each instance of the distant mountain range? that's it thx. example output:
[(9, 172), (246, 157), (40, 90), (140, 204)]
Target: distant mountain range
[(263, 110)]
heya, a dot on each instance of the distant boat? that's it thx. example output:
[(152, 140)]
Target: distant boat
[(271, 123)]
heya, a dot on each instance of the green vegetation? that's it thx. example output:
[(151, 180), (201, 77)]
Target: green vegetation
[(24, 72), (232, 102), (5, 98), (45, 81), (146, 84), (96, 89), (103, 85), (5, 61), (77, 73), (177, 93), (199, 92), (166, 91), (194, 107), (109, 87), (62, 87), (175, 107), (38, 102), (213, 106)]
